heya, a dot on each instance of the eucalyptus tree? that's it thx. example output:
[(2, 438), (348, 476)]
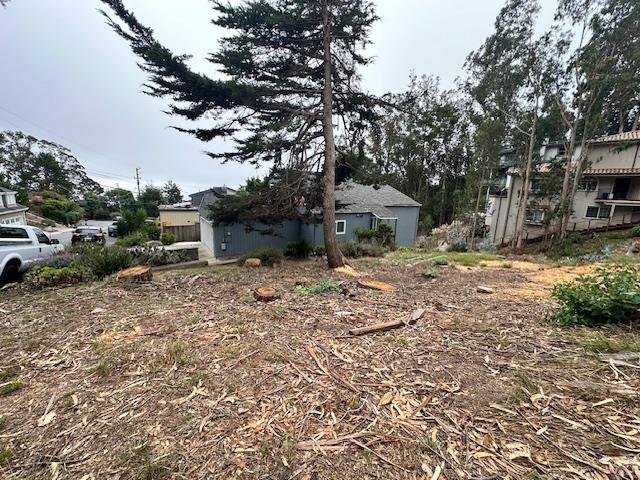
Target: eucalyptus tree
[(288, 74)]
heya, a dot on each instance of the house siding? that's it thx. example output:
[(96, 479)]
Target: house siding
[(177, 218), (239, 241), (407, 225)]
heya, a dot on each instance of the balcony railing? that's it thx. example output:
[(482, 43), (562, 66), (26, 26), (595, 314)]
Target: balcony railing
[(606, 195)]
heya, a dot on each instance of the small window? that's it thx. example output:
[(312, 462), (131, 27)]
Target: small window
[(592, 212), (588, 184), (13, 232), (604, 212), (42, 238), (341, 227), (536, 216)]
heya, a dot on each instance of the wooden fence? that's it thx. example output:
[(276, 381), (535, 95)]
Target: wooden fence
[(184, 233)]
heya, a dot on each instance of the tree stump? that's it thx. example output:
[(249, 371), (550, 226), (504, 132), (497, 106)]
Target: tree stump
[(139, 274), (252, 262), (266, 294)]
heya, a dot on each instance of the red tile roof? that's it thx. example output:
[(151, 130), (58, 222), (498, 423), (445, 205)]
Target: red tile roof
[(612, 171), (619, 137)]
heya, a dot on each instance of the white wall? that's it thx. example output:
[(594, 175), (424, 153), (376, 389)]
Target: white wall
[(206, 235)]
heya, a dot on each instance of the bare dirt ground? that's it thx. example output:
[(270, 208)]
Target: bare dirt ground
[(188, 377)]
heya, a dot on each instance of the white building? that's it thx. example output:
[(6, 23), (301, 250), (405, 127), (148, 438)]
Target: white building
[(11, 212), (608, 195)]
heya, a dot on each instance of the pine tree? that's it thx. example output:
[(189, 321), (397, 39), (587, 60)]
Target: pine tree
[(172, 193), (290, 72)]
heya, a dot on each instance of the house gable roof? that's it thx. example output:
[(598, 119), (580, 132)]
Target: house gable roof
[(356, 198)]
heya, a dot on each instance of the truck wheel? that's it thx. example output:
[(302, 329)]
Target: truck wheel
[(10, 273)]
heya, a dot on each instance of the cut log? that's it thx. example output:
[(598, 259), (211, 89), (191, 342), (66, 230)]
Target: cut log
[(266, 294), (383, 327), (136, 274), (375, 284)]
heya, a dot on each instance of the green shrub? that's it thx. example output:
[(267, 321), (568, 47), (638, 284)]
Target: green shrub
[(439, 261), (152, 232), (350, 249), (385, 236), (155, 257), (56, 207), (458, 246), (370, 250), (364, 234), (487, 246), (298, 249), (41, 277), (269, 256), (353, 249), (72, 218), (167, 238), (610, 295), (131, 221), (105, 261), (635, 232), (102, 214), (319, 251), (430, 273), (133, 240), (324, 286)]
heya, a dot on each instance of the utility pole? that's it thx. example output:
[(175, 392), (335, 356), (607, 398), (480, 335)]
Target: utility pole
[(138, 180)]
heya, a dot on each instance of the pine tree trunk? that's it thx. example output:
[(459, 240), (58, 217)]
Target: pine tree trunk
[(334, 255)]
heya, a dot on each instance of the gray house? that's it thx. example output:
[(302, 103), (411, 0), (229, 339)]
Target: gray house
[(358, 206)]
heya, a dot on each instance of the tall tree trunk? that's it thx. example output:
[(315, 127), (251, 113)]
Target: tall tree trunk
[(334, 255), (527, 178), (475, 212), (564, 195)]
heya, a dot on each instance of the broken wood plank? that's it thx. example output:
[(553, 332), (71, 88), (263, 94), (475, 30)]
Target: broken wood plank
[(382, 327), (375, 284)]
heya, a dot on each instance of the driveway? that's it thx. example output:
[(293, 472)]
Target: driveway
[(65, 236)]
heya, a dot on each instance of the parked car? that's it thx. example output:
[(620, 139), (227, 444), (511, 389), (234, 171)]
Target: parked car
[(112, 230), (20, 247), (88, 234)]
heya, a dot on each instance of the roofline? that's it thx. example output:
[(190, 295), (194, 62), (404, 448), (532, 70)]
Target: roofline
[(21, 208), (177, 209)]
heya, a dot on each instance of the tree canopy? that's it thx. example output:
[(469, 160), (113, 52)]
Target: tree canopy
[(37, 165)]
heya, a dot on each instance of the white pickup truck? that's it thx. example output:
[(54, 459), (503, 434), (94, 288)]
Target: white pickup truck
[(21, 246)]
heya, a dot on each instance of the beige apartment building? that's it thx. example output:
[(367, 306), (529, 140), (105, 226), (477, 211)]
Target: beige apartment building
[(608, 195)]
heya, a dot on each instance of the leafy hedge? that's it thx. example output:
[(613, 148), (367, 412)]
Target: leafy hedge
[(168, 238), (42, 276), (298, 249), (355, 250), (610, 295)]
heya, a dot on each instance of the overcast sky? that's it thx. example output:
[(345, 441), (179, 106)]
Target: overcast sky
[(66, 77)]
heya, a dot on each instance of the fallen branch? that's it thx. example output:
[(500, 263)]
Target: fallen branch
[(383, 327)]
